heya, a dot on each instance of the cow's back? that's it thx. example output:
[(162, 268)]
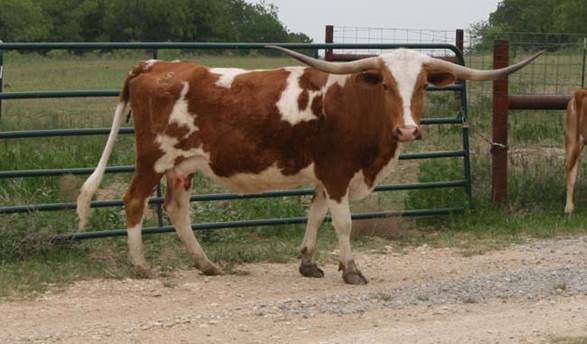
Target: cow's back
[(183, 110)]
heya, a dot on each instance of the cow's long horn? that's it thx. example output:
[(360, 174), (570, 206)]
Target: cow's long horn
[(465, 73), (332, 67)]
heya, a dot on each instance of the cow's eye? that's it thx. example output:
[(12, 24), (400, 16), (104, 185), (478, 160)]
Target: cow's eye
[(385, 87)]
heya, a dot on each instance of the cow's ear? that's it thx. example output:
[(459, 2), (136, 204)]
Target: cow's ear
[(441, 79), (371, 77)]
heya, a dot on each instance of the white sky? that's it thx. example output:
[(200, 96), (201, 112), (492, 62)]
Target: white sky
[(310, 16)]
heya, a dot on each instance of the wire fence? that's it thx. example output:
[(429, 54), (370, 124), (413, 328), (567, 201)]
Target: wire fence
[(559, 72)]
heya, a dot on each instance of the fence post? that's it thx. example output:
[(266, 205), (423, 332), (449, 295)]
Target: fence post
[(1, 77), (460, 40), (499, 144), (329, 38), (584, 56)]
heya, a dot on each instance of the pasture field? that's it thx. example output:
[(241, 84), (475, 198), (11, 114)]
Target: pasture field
[(29, 263)]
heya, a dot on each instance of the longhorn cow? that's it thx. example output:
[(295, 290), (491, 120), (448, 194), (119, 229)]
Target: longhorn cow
[(336, 126)]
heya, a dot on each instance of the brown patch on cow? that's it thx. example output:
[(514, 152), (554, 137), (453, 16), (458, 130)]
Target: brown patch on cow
[(303, 100), (313, 79), (317, 106), (358, 138)]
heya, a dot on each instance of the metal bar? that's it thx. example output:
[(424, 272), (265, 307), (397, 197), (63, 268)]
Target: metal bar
[(253, 223), (437, 120), (226, 196), (353, 57), (61, 132), (115, 93), (538, 102), (214, 45), (427, 155), (499, 154), (130, 168), (130, 130), (62, 171), (59, 94)]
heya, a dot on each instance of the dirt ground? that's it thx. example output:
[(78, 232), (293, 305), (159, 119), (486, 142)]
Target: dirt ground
[(529, 293)]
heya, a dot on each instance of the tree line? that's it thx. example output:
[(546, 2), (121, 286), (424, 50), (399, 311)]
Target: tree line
[(142, 21), (561, 18)]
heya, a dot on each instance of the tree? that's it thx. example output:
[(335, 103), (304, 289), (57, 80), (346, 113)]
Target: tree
[(532, 17), (23, 20)]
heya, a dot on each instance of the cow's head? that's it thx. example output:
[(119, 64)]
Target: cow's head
[(401, 76)]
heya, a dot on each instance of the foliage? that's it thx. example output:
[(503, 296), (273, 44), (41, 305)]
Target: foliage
[(142, 20), (547, 16), (23, 20)]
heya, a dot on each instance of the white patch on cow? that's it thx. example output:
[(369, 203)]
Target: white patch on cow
[(176, 61), (227, 75), (171, 153), (288, 102), (358, 187), (405, 65), (268, 179), (339, 79), (149, 64), (341, 219), (135, 245), (180, 114)]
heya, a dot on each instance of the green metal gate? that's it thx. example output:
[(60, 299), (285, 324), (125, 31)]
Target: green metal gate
[(459, 119)]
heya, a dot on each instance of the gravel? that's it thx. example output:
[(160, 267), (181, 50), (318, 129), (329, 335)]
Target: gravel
[(530, 284)]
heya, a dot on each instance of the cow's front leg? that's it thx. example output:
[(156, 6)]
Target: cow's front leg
[(316, 215), (341, 218)]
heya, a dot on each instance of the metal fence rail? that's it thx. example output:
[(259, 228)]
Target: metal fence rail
[(459, 118)]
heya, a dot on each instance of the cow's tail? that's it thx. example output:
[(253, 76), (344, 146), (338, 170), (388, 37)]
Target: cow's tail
[(91, 184)]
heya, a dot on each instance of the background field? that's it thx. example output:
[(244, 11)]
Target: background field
[(27, 261)]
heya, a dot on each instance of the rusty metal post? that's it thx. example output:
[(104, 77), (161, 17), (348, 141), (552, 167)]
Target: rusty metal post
[(1, 77), (329, 38), (460, 39), (499, 145), (584, 58)]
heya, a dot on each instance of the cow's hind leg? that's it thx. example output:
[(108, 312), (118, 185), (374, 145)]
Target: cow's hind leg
[(135, 201), (573, 152), (177, 205), (341, 218), (316, 215)]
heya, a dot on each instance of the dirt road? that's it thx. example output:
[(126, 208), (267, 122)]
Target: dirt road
[(524, 294)]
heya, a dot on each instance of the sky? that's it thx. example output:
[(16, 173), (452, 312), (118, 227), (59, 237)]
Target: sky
[(310, 16)]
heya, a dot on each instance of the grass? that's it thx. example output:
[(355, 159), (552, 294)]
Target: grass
[(29, 264), (570, 340)]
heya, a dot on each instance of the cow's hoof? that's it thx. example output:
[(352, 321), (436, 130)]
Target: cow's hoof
[(311, 270), (351, 274), (354, 278), (212, 270)]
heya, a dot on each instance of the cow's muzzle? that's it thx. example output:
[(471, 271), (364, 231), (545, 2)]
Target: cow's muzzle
[(407, 134)]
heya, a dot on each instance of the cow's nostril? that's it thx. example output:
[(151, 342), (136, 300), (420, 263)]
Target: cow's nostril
[(408, 133)]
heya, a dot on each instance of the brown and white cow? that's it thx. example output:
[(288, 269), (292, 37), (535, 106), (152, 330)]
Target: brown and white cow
[(336, 126), (575, 135)]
